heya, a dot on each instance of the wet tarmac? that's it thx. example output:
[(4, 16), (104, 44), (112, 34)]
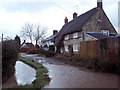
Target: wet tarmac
[(68, 76), (65, 76)]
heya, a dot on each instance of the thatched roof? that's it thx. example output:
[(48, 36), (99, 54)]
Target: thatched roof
[(74, 26)]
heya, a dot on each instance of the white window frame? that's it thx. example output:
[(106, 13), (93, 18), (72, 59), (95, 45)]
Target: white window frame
[(105, 32), (75, 47), (66, 48), (61, 50), (66, 37), (75, 35)]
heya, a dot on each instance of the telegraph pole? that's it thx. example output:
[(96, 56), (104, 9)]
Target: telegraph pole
[(2, 37)]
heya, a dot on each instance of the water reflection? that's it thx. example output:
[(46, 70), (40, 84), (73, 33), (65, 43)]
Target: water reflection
[(66, 76), (24, 73)]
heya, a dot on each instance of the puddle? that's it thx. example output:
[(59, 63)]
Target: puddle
[(24, 73)]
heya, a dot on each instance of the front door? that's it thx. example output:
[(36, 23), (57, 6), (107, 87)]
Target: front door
[(70, 50)]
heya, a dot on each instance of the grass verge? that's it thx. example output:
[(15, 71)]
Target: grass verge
[(41, 74), (41, 55)]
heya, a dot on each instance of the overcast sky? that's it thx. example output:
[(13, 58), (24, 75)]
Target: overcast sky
[(49, 13)]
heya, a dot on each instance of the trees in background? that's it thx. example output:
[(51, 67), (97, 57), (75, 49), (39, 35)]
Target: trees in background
[(27, 31), (39, 33), (34, 32)]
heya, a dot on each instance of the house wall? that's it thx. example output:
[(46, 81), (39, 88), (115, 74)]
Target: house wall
[(77, 41), (89, 38), (70, 42), (48, 43), (93, 24)]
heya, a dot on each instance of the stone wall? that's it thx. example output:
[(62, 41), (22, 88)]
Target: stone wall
[(89, 38), (94, 25)]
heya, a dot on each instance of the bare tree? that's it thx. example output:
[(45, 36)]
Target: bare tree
[(39, 33), (34, 32), (27, 31)]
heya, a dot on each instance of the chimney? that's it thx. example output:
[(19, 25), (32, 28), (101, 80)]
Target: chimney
[(24, 41), (99, 3), (74, 15), (66, 20), (55, 32)]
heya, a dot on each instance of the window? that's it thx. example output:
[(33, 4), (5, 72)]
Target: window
[(66, 48), (75, 35), (61, 50), (105, 32), (66, 37), (75, 47)]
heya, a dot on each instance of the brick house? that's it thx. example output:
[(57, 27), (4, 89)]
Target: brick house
[(25, 47), (91, 25)]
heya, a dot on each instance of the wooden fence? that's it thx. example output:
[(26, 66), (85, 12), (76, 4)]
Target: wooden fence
[(100, 48)]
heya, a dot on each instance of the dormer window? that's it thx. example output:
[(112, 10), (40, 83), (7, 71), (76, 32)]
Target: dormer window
[(66, 37), (105, 32), (100, 20), (75, 35)]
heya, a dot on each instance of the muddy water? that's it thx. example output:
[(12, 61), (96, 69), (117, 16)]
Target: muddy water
[(65, 76), (10, 82), (24, 74)]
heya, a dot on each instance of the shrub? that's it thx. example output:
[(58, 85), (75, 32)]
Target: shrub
[(118, 63), (10, 53), (103, 64), (49, 53), (52, 48), (40, 50), (118, 66), (33, 52)]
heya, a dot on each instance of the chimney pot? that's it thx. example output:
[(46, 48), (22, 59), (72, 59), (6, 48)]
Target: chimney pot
[(74, 15), (55, 32), (99, 4), (66, 20)]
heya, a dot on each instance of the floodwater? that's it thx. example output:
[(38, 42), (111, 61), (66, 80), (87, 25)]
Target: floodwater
[(68, 76), (24, 73), (65, 76)]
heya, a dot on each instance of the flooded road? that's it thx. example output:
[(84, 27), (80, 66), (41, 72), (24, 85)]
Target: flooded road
[(67, 76)]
